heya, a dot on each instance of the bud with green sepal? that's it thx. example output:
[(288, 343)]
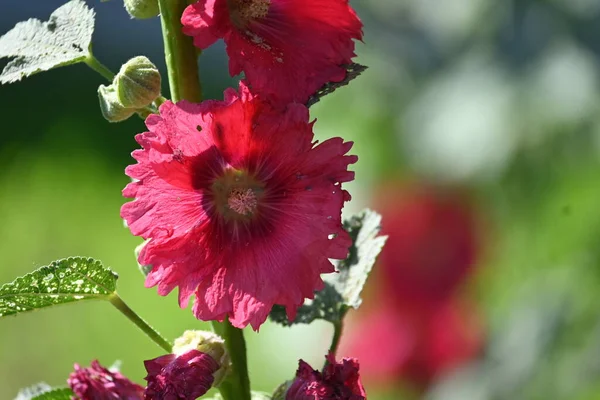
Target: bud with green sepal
[(208, 343), (142, 9), (138, 83), (111, 107)]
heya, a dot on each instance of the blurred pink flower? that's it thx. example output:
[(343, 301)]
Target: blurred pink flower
[(416, 327), (98, 383)]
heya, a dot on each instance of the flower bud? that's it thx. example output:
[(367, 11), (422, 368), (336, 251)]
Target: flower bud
[(137, 83), (112, 109), (185, 376), (97, 382), (209, 343), (142, 9), (339, 380)]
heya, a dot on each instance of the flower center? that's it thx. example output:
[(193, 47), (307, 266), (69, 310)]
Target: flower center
[(242, 201), (244, 11), (236, 195)]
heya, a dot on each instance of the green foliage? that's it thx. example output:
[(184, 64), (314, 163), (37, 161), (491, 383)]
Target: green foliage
[(40, 46), (64, 281), (342, 289), (42, 391)]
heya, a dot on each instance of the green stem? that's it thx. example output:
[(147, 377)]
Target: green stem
[(338, 327), (97, 66), (237, 385), (180, 53), (116, 301), (182, 65)]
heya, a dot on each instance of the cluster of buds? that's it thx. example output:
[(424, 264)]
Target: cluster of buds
[(133, 90)]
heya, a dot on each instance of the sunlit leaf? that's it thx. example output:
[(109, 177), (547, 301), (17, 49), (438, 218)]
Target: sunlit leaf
[(64, 281), (352, 72), (38, 46), (43, 391)]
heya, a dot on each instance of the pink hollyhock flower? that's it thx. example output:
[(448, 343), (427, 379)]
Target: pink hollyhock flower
[(187, 376), (98, 383), (394, 343), (417, 329), (243, 209), (433, 243), (338, 381), (288, 49)]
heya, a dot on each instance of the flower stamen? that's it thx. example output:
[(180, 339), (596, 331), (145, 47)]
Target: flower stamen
[(241, 201), (244, 11)]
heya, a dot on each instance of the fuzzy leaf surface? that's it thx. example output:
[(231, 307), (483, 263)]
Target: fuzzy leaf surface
[(43, 391), (353, 71), (37, 46), (64, 281), (342, 289)]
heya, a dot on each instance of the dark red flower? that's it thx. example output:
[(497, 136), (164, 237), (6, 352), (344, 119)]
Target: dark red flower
[(98, 383), (397, 343), (416, 327), (338, 381), (241, 207), (433, 243), (288, 49), (184, 377)]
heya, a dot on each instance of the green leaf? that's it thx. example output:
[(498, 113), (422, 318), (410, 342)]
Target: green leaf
[(352, 72), (55, 394), (64, 281), (342, 289), (39, 46), (43, 391)]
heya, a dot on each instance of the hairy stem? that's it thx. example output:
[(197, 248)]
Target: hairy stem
[(116, 301), (237, 385), (180, 53), (97, 66)]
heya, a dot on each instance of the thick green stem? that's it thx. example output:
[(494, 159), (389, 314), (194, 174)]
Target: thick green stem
[(180, 53), (97, 66), (116, 301), (338, 327), (184, 82), (237, 385)]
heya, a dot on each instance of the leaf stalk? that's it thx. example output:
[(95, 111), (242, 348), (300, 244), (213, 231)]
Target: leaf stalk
[(120, 305)]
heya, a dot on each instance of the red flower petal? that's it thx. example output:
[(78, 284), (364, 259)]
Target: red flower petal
[(288, 49)]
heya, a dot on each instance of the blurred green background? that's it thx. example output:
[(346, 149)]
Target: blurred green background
[(497, 99)]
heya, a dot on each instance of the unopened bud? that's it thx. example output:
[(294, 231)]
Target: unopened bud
[(142, 9), (137, 83), (112, 109), (208, 343)]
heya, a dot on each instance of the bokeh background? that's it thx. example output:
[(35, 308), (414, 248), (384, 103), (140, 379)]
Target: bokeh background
[(478, 130)]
